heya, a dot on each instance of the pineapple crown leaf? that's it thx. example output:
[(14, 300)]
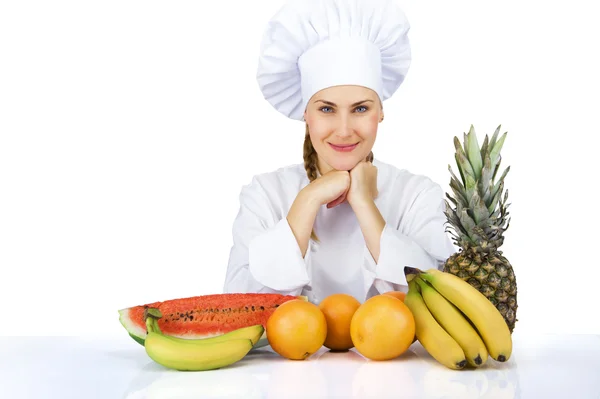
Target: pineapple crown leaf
[(480, 211), (451, 200), (498, 187), (480, 234), (484, 147), (496, 168), (495, 199), (467, 222), (495, 136), (504, 173), (456, 186), (480, 215), (453, 220), (463, 163), (462, 175), (486, 174), (495, 153), (474, 153)]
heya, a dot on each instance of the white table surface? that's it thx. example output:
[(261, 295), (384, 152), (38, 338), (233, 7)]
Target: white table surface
[(542, 366)]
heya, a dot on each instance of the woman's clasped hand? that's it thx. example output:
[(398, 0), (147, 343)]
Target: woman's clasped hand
[(356, 186)]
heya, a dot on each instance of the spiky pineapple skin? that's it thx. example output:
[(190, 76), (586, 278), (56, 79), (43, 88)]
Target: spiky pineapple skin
[(492, 274)]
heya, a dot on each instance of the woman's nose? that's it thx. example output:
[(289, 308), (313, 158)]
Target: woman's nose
[(345, 127)]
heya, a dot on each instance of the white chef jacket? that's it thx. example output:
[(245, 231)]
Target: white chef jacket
[(265, 256)]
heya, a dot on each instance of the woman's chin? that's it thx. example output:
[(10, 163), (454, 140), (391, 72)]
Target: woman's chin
[(348, 163)]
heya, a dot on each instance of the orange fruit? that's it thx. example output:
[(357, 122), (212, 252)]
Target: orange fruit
[(400, 295), (382, 328), (338, 310), (296, 329), (396, 294)]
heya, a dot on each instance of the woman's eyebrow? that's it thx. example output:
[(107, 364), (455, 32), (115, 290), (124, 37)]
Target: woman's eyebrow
[(334, 105)]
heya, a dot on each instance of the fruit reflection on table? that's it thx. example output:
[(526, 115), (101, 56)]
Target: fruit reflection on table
[(457, 325)]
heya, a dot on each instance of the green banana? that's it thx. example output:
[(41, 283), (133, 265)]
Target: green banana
[(430, 334), (192, 354), (486, 319), (252, 333), (185, 357), (453, 321)]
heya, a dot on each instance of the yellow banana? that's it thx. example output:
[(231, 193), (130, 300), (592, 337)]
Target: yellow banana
[(196, 354), (452, 320), (183, 356), (486, 319), (430, 334)]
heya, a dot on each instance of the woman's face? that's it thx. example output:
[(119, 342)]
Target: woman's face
[(342, 123)]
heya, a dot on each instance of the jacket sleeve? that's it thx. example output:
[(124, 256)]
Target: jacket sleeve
[(265, 256), (417, 240)]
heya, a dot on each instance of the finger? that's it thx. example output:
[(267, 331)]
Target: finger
[(334, 202), (344, 197), (338, 200)]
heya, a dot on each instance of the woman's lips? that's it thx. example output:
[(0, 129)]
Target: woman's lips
[(343, 147)]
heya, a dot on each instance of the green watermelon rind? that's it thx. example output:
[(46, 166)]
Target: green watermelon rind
[(138, 334), (139, 340)]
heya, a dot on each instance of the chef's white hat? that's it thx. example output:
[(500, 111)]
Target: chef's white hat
[(310, 45)]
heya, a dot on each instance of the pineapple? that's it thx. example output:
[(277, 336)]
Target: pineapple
[(477, 221)]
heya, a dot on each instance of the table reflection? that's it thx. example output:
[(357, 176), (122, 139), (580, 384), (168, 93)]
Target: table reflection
[(265, 374)]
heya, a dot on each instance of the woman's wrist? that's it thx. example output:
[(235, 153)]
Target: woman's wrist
[(359, 201), (308, 196)]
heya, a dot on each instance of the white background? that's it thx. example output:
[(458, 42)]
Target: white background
[(127, 129)]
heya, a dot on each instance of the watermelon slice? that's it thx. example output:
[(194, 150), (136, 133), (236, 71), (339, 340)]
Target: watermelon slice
[(206, 315)]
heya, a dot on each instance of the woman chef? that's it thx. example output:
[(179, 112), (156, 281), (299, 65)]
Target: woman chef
[(340, 222)]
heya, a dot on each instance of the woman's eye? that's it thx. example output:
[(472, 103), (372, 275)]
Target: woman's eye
[(328, 109)]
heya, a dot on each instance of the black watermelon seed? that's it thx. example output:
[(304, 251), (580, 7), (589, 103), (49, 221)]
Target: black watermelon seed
[(191, 317)]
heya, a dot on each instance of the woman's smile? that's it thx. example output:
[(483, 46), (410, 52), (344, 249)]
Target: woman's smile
[(343, 147)]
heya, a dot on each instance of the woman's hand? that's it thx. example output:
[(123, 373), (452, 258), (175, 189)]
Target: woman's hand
[(363, 183), (330, 188)]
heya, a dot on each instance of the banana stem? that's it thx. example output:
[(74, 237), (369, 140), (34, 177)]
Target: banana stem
[(151, 316), (411, 272)]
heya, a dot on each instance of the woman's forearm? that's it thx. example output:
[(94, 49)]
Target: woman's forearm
[(301, 218), (371, 223)]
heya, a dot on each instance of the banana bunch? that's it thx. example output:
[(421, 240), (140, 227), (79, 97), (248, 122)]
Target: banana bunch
[(455, 322), (197, 354)]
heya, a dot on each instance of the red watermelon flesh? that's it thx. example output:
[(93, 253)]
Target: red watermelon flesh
[(206, 315)]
